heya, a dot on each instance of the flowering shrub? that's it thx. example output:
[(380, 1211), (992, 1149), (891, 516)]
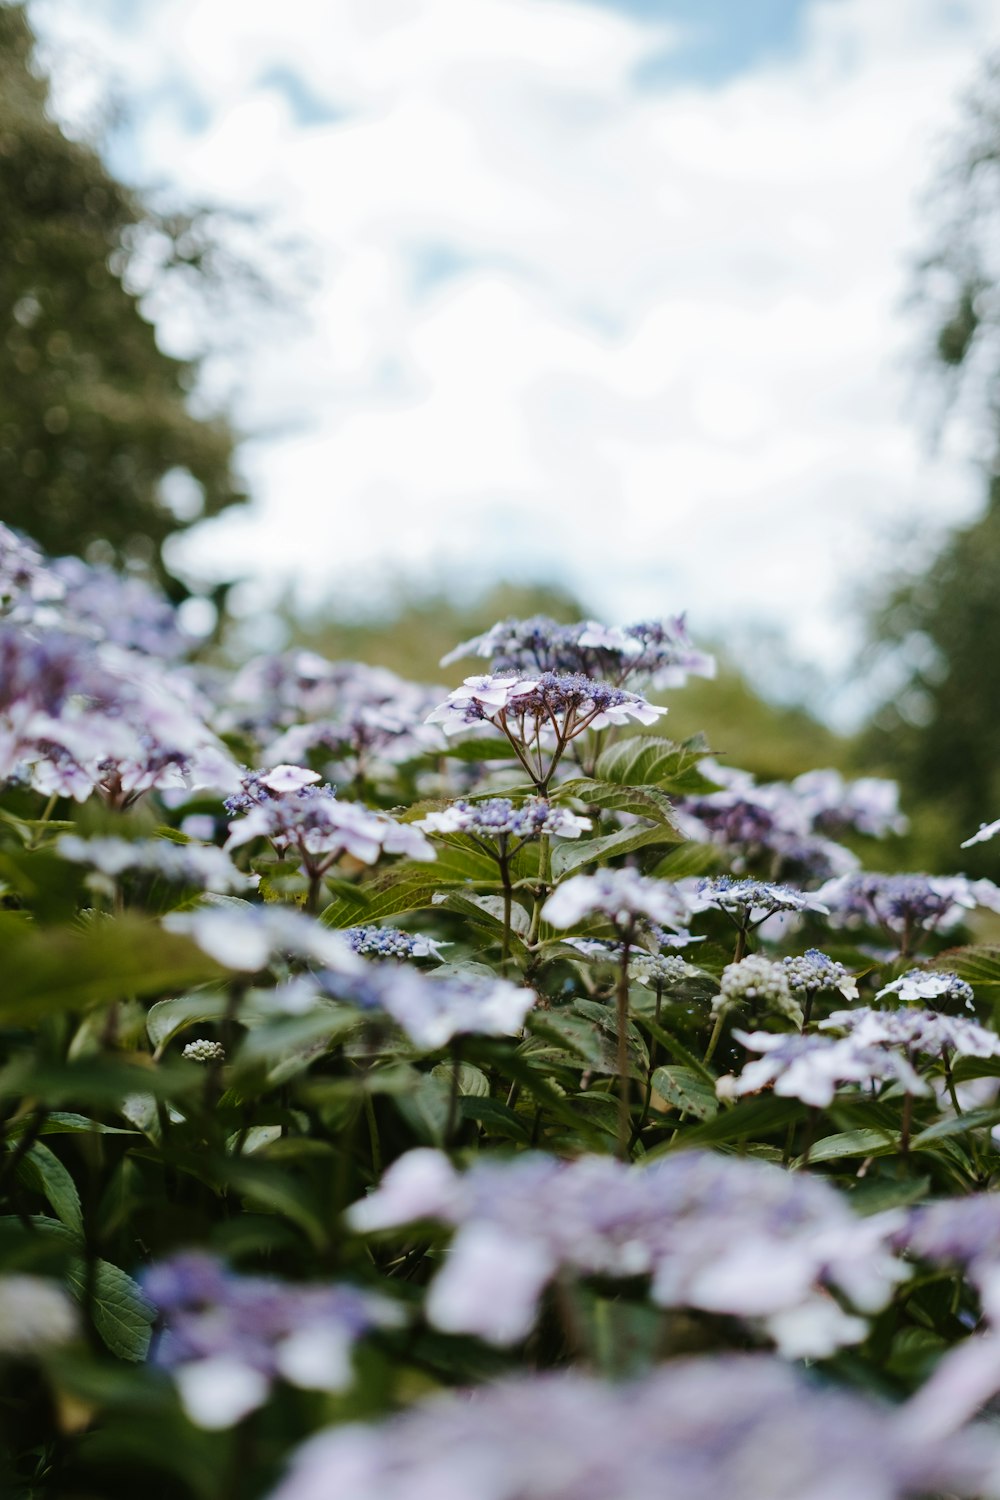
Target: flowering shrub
[(412, 1093)]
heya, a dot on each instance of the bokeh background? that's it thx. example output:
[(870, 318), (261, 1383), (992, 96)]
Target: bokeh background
[(364, 324)]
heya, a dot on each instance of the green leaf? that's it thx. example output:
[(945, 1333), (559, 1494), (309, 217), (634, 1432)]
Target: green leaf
[(647, 759), (686, 1091), (676, 1048), (690, 859), (64, 1122), (472, 1081), (569, 857), (977, 964), (483, 747), (66, 969), (495, 1118), (747, 1120), (123, 1315), (644, 801), (854, 1143), (42, 1171), (972, 1119), (412, 885)]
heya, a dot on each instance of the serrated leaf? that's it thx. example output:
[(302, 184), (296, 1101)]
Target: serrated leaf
[(646, 760), (472, 1081), (123, 1314), (686, 1091), (644, 801), (569, 857), (42, 1171), (977, 964)]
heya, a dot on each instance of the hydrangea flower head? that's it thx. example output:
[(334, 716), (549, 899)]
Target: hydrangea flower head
[(722, 1234), (930, 984), (759, 982), (430, 1008), (308, 820), (813, 971), (813, 1068), (659, 651), (392, 942), (752, 900), (713, 1427), (228, 1337), (553, 703), (623, 896), (916, 1031), (902, 903), (499, 818), (199, 865)]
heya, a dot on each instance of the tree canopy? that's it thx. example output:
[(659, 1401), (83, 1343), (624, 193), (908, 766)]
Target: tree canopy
[(94, 415)]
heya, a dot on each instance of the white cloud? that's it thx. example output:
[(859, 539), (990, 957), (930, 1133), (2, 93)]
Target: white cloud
[(671, 362)]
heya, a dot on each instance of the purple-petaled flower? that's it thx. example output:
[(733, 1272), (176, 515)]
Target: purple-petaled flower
[(930, 984), (122, 608), (787, 826), (813, 971), (28, 587), (198, 865), (312, 824), (431, 1008), (247, 938), (924, 1032), (658, 651), (226, 1338), (813, 1068), (868, 805), (700, 1429), (392, 942), (905, 904), (623, 896), (963, 1233), (721, 1234), (347, 713), (500, 819), (750, 901), (552, 704)]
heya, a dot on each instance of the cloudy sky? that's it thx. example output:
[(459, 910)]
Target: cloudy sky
[(607, 291)]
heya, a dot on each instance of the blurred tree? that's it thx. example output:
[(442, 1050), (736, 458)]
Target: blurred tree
[(940, 730), (98, 444)]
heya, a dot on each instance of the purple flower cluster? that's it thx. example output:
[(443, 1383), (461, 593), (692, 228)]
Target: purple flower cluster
[(657, 651), (299, 706), (721, 1234), (391, 942), (623, 897), (701, 1428), (432, 1009), (499, 819), (311, 823), (558, 705), (226, 1338), (903, 905), (749, 901)]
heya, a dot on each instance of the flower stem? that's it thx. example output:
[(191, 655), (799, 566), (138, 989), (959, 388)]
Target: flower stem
[(624, 1102)]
